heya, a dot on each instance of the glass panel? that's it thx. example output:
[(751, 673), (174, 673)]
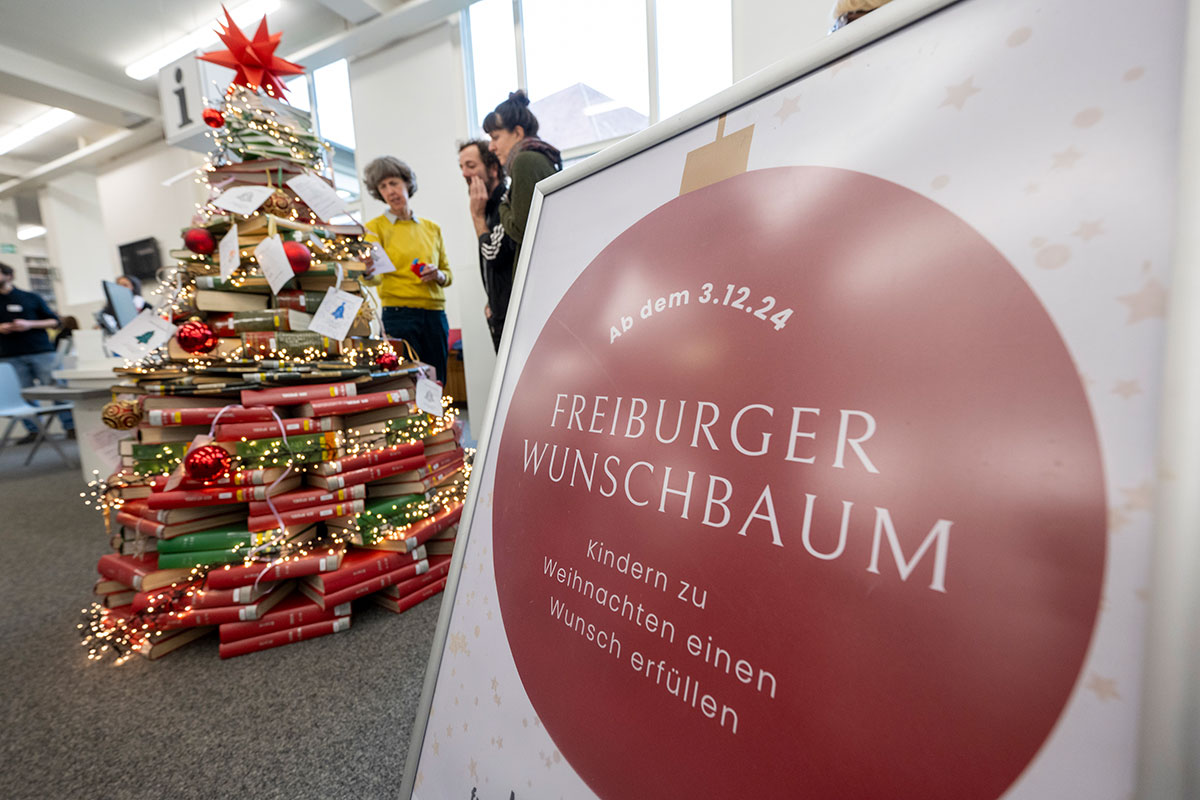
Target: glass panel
[(297, 92), (332, 82), (695, 52), (586, 66), (493, 54)]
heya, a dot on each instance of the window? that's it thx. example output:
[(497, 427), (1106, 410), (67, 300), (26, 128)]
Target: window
[(595, 73)]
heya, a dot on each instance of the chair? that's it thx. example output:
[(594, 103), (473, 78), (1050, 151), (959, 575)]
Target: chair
[(15, 407)]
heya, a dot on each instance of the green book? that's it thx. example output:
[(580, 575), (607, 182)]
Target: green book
[(156, 466), (215, 282), (258, 448), (225, 538), (278, 459), (198, 558), (154, 452)]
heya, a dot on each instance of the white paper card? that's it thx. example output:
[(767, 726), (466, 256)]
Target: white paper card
[(318, 195), (274, 262), (243, 200), (144, 333), (429, 396), (381, 263), (335, 314), (228, 248)]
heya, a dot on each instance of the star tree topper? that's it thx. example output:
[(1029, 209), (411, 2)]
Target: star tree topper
[(254, 60)]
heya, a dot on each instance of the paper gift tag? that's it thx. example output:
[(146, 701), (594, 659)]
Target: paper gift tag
[(382, 262), (243, 200), (228, 248), (318, 195), (335, 314), (144, 333), (429, 396), (274, 262)]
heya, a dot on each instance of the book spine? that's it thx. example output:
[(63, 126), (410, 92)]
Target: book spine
[(190, 498), (372, 585), (437, 570), (125, 569), (294, 516), (370, 458), (295, 342), (274, 621), (306, 497), (420, 596), (424, 530), (201, 616), (240, 595), (270, 429), (212, 540), (362, 402), (161, 417), (199, 558), (299, 300), (266, 641), (289, 395), (248, 477), (368, 474), (254, 448), (232, 577), (140, 525)]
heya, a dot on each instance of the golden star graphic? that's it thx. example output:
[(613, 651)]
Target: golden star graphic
[(1066, 159), (477, 629), (489, 615), (472, 768), (437, 746), (420, 778), (1089, 230), (791, 105), (1104, 688), (464, 727), (1117, 519), (1127, 389), (957, 95), (1139, 498), (495, 684), (1147, 303), (449, 731), (499, 743), (496, 700)]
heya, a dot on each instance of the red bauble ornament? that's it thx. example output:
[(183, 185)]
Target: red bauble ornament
[(195, 336), (199, 240), (213, 118), (388, 361), (207, 463), (299, 256)]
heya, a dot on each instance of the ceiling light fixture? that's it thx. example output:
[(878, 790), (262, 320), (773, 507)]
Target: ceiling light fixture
[(26, 232), (244, 15), (34, 128)]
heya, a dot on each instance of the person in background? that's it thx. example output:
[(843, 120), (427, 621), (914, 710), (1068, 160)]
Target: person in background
[(108, 317), (413, 301), (24, 320), (527, 159), (485, 187), (846, 11)]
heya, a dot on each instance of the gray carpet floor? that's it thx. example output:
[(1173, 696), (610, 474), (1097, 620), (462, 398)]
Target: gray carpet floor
[(327, 718)]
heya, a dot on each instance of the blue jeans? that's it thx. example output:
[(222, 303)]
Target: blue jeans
[(426, 330), (37, 367)]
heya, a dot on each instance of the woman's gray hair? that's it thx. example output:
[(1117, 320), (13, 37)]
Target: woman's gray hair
[(386, 167)]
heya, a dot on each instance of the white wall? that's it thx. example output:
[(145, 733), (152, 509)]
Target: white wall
[(766, 31), (410, 102)]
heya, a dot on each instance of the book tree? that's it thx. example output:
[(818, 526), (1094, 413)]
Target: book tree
[(284, 462)]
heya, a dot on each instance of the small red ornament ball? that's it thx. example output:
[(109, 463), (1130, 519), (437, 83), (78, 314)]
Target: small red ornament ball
[(196, 336), (199, 240), (388, 361), (213, 118), (207, 463), (299, 256)]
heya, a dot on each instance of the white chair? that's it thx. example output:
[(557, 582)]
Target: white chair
[(15, 407)]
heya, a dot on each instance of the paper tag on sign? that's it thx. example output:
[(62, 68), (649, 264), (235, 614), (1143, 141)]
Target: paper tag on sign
[(429, 396), (335, 314), (318, 195), (243, 200), (273, 262), (144, 333), (230, 259), (381, 262)]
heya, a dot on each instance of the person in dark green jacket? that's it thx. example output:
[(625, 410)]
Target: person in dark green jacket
[(526, 158)]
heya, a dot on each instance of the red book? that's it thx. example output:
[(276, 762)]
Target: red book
[(229, 577), (401, 604), (204, 416), (192, 617), (358, 566), (162, 530), (306, 497), (172, 515), (266, 641), (362, 402), (270, 429), (215, 598), (370, 458), (294, 395), (295, 516), (248, 477), (439, 567), (422, 531), (368, 474), (219, 495), (140, 572), (364, 588), (296, 610)]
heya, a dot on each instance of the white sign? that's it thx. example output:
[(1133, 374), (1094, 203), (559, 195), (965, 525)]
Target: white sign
[(318, 195), (243, 200), (380, 263), (230, 254), (273, 262), (145, 332), (429, 397), (336, 313)]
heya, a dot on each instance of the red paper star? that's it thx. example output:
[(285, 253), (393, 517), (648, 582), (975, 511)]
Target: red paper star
[(255, 60)]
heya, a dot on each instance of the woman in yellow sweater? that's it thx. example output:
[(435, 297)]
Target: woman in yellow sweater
[(413, 302)]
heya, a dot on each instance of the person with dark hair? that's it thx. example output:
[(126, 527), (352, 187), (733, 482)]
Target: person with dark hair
[(24, 320), (414, 305), (513, 130), (484, 175)]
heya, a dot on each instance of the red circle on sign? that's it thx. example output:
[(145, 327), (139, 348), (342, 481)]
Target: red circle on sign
[(918, 395)]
